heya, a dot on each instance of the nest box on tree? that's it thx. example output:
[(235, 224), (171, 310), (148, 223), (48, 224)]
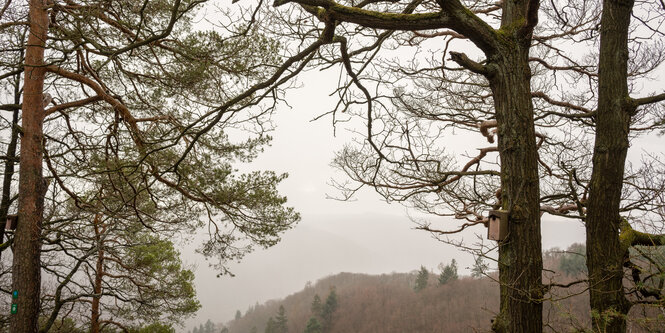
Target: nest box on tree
[(12, 221), (497, 225)]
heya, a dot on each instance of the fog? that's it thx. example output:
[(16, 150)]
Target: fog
[(366, 235)]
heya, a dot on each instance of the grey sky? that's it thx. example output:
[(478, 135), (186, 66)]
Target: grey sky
[(364, 236)]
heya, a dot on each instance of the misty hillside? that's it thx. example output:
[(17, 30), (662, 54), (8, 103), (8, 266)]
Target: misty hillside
[(389, 303), (383, 303)]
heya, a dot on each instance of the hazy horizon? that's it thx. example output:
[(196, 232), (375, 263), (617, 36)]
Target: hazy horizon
[(366, 235)]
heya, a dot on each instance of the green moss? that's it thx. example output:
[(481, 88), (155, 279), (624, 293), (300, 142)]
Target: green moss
[(383, 16), (630, 105), (505, 33), (627, 235), (468, 12)]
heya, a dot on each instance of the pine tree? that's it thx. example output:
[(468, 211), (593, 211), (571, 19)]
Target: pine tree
[(421, 279), (328, 310), (313, 326), (238, 315), (573, 263), (448, 272), (479, 267), (209, 327), (281, 321), (316, 306), (270, 326)]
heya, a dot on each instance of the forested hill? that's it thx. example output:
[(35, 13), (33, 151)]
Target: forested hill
[(359, 303), (383, 303)]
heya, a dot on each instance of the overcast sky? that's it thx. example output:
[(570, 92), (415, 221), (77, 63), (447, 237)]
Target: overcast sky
[(364, 236)]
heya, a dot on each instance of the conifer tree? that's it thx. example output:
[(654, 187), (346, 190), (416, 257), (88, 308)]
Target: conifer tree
[(270, 326), (448, 272), (573, 262), (281, 321), (209, 327), (138, 86), (421, 279), (316, 306), (313, 326), (328, 310), (479, 267)]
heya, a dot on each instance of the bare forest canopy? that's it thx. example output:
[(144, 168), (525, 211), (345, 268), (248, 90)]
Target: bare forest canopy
[(129, 127)]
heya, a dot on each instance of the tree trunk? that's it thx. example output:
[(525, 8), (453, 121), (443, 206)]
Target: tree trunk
[(520, 255), (10, 161), (26, 265), (99, 271), (605, 255)]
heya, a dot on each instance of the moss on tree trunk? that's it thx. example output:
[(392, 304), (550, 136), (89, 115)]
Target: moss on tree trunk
[(520, 258), (605, 255)]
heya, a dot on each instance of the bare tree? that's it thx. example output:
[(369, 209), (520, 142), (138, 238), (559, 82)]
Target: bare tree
[(513, 94), (609, 236), (505, 45)]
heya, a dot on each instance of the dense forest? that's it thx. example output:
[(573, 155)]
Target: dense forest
[(433, 302)]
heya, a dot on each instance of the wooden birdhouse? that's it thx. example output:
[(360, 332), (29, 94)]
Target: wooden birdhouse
[(12, 221), (497, 225)]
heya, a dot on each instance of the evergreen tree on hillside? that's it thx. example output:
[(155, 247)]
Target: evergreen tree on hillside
[(317, 306), (313, 326), (573, 262), (448, 272), (238, 315), (209, 327), (479, 267), (281, 321), (328, 310), (421, 279), (270, 326)]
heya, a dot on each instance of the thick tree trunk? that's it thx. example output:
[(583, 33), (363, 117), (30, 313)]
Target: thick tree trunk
[(605, 255), (26, 265), (520, 255)]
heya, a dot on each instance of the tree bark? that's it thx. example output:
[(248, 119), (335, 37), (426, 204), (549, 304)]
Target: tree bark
[(605, 255), (520, 255), (5, 202), (32, 188), (509, 74), (99, 271)]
